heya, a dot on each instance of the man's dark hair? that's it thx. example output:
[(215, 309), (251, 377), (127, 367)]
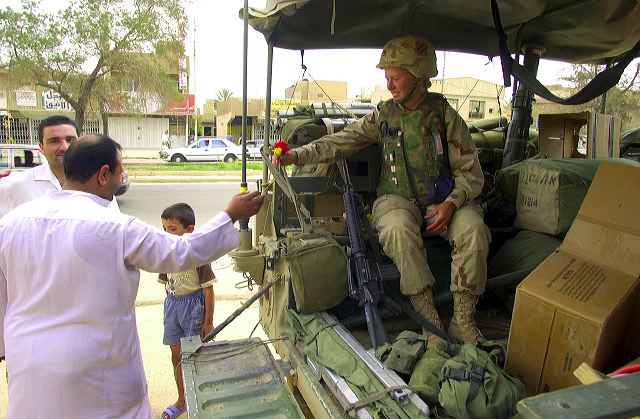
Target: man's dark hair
[(52, 121), (181, 212), (88, 154)]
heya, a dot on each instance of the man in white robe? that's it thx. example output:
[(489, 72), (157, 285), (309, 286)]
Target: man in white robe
[(55, 134), (69, 274)]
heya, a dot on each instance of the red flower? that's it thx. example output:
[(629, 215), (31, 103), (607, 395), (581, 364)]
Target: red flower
[(280, 148)]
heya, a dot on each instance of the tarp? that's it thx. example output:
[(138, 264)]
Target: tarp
[(575, 31), (323, 345)]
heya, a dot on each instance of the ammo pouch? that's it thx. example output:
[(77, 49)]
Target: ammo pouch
[(318, 270), (403, 353)]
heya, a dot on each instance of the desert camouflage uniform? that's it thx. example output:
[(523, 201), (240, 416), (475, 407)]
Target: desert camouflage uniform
[(397, 216)]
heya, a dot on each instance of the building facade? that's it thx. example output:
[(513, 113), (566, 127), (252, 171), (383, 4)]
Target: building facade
[(140, 125), (473, 98), (306, 92)]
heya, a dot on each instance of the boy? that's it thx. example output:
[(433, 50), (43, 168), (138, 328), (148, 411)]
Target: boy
[(188, 308)]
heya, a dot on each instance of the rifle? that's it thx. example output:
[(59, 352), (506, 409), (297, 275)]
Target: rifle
[(364, 276)]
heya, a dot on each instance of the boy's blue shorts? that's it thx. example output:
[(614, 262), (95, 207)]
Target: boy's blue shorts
[(183, 316)]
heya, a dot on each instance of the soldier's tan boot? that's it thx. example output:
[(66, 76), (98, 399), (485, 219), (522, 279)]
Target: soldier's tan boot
[(424, 305), (463, 326)]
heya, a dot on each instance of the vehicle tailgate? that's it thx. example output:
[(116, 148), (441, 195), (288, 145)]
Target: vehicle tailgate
[(237, 378)]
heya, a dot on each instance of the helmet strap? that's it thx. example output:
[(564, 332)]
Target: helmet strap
[(411, 92)]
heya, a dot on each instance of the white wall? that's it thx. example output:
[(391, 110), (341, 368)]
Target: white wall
[(133, 132)]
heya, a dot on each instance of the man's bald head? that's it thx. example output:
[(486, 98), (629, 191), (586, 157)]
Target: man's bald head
[(88, 154)]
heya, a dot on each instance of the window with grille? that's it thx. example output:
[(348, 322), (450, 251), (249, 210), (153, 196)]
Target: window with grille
[(16, 131), (92, 127), (453, 103)]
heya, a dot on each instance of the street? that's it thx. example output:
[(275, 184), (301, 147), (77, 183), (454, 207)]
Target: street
[(147, 201)]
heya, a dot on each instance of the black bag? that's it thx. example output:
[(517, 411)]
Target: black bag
[(498, 212)]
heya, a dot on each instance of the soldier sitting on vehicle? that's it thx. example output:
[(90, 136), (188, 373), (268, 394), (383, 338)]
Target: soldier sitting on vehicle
[(430, 174)]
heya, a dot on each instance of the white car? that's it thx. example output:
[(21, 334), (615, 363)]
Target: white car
[(18, 157), (205, 149), (253, 149)]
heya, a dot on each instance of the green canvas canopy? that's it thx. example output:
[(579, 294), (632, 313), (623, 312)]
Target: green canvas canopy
[(568, 30)]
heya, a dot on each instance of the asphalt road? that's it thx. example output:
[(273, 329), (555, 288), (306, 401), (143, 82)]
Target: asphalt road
[(146, 201)]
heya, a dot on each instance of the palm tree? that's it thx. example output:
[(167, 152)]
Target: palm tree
[(223, 95)]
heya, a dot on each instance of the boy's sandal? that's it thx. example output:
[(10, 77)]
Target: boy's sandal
[(172, 412)]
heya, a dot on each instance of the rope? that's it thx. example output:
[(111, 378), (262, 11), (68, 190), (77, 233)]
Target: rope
[(375, 397)]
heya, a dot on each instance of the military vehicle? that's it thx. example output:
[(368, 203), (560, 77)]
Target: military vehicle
[(303, 276)]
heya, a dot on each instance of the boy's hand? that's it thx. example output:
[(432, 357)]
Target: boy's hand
[(206, 329), (244, 205)]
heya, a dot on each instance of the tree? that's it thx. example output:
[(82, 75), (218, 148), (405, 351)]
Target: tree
[(622, 101), (93, 51), (192, 125), (223, 95)]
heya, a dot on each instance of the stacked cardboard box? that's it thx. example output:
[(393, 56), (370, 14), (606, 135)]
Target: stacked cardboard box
[(560, 135), (577, 305)]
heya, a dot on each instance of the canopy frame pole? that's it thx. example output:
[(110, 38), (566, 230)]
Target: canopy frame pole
[(266, 145)]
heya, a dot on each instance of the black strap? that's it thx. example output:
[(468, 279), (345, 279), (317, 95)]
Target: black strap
[(475, 377), (505, 57), (604, 81)]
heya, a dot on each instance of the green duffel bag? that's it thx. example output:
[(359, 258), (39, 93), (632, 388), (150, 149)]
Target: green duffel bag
[(506, 180), (427, 373), (403, 353), (318, 270), (526, 250), (475, 386)]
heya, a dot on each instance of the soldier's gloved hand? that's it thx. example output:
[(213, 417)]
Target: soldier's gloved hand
[(290, 157)]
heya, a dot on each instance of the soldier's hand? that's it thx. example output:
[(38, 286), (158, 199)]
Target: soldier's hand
[(290, 157), (438, 219), (244, 205)]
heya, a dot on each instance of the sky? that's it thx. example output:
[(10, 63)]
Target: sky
[(219, 41), (215, 46)]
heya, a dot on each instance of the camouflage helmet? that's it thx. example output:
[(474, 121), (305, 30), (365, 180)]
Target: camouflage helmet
[(413, 53)]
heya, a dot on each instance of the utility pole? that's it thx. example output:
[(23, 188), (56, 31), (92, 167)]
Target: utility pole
[(195, 120)]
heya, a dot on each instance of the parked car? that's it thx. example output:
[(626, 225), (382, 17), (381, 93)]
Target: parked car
[(253, 149), (125, 185), (205, 149), (18, 157)]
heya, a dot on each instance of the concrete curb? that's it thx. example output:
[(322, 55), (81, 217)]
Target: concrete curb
[(189, 179)]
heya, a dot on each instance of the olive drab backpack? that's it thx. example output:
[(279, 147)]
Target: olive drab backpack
[(475, 386)]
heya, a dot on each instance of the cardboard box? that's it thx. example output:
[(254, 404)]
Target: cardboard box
[(576, 306), (559, 135)]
